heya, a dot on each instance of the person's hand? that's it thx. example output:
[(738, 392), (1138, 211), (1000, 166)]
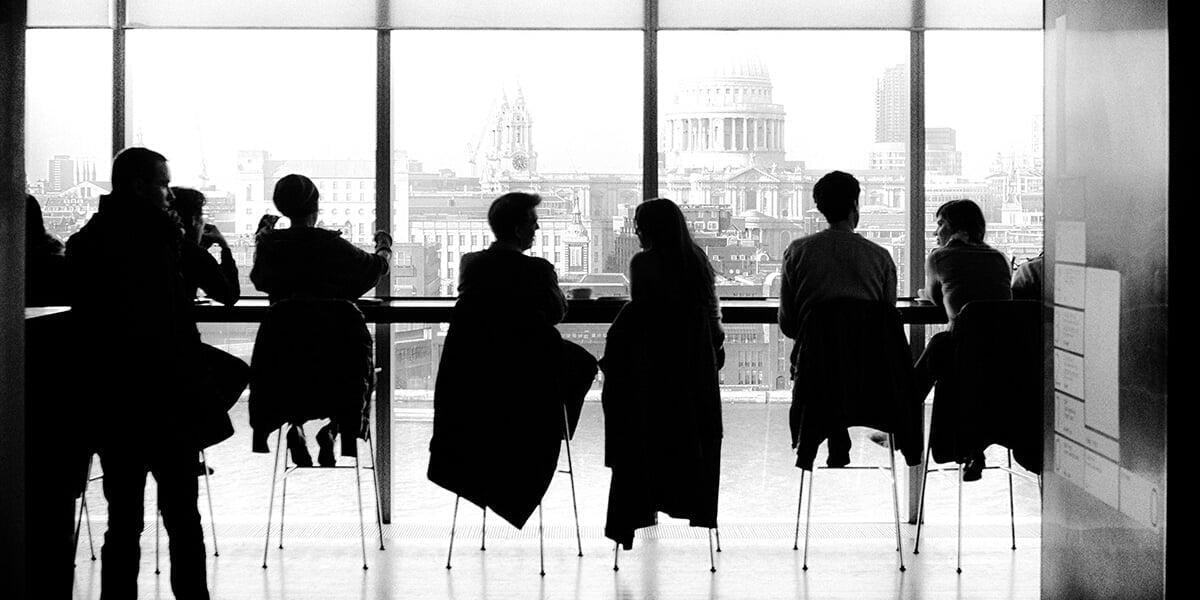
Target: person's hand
[(267, 223), (212, 235), (383, 241)]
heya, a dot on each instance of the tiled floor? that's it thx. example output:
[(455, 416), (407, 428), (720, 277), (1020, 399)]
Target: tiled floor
[(851, 553)]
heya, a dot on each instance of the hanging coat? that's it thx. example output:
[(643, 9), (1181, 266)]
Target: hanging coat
[(504, 378), (851, 367), (662, 417)]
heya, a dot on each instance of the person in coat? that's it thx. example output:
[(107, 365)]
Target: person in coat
[(309, 265), (662, 396), (138, 345), (505, 374)]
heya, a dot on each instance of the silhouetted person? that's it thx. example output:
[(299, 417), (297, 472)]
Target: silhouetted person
[(1027, 280), (834, 264), (218, 280), (46, 281), (961, 269), (505, 373), (307, 262), (662, 395), (138, 339)]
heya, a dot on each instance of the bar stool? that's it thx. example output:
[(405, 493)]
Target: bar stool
[(287, 470), (570, 471)]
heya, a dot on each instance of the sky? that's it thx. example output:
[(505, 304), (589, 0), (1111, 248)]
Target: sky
[(199, 96)]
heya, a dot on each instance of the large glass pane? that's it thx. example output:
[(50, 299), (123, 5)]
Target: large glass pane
[(744, 135), (555, 112), (68, 123), (983, 112), (609, 14), (68, 13), (775, 14), (232, 125), (258, 13), (983, 14)]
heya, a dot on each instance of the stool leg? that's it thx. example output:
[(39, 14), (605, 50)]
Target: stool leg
[(362, 524), (453, 524), (616, 554), (896, 498), (718, 532), (283, 500), (375, 482), (921, 503), (958, 568), (799, 506), (271, 502), (571, 474), (212, 523), (808, 515), (157, 514), (712, 565), (541, 544), (483, 532), (1012, 513), (88, 523)]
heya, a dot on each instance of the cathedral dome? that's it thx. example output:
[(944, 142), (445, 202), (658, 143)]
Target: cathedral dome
[(746, 67)]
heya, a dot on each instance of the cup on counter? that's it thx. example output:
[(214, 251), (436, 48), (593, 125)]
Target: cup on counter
[(581, 293)]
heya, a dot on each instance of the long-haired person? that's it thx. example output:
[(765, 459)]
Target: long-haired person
[(662, 399), (961, 269)]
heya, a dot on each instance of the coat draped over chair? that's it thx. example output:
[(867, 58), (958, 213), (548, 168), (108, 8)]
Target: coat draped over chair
[(851, 367), (993, 392), (662, 417), (312, 360), (504, 379)]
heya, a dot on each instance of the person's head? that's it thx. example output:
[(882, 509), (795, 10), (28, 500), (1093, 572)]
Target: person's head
[(836, 194), (659, 224), (189, 205), (513, 219), (142, 174), (960, 219), (296, 197)]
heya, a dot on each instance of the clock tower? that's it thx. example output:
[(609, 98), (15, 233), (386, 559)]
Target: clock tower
[(508, 150)]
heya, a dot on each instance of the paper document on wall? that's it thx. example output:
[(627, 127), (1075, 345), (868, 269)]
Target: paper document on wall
[(1102, 479), (1068, 416), (1069, 460), (1070, 242), (1102, 345), (1068, 329), (1070, 282), (1068, 373)]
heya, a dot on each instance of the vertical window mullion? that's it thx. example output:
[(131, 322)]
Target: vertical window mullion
[(383, 222), (118, 80), (650, 102)]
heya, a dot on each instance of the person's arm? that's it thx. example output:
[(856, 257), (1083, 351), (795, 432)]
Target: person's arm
[(218, 282), (555, 302), (889, 280), (933, 282), (356, 271), (787, 316)]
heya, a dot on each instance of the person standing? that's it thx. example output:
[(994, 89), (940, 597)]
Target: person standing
[(138, 342)]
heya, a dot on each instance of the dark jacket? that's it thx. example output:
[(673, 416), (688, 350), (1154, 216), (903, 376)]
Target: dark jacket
[(502, 383), (851, 367), (218, 280), (662, 416), (993, 393), (312, 360), (137, 338), (314, 263)]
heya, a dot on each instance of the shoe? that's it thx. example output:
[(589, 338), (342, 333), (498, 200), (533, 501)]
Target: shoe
[(837, 460), (297, 447), (325, 437), (973, 470), (880, 438)]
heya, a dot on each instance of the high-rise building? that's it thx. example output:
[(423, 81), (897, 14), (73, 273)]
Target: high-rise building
[(891, 105), (61, 173)]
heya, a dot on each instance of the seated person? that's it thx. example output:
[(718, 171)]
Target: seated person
[(45, 261), (305, 261), (219, 281), (662, 393), (834, 264), (961, 269), (505, 374), (1027, 281)]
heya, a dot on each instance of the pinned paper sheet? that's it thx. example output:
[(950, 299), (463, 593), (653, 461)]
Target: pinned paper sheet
[(1070, 283), (1068, 329), (1068, 373), (1102, 345), (1070, 242)]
